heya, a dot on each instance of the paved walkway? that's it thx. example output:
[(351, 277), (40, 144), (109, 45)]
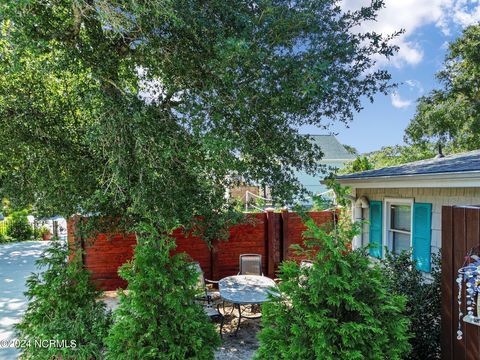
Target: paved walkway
[(17, 261)]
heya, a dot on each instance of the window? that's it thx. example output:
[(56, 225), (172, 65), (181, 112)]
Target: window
[(401, 224), (398, 225)]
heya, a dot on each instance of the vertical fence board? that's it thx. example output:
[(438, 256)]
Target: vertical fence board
[(472, 218), (285, 239), (447, 283), (459, 252), (274, 235)]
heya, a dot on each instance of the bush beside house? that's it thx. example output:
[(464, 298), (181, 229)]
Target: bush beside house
[(341, 308), (423, 302)]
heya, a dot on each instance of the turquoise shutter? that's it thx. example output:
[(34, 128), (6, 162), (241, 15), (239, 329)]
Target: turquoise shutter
[(376, 231), (421, 235)]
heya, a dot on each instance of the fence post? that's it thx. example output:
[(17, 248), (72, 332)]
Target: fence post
[(214, 261), (285, 239), (273, 252)]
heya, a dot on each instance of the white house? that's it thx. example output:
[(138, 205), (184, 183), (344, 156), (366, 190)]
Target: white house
[(402, 204)]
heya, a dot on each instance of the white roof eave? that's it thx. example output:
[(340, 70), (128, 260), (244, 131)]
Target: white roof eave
[(438, 180)]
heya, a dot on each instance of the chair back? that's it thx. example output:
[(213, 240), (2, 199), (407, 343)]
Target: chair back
[(306, 264), (201, 277), (250, 264)]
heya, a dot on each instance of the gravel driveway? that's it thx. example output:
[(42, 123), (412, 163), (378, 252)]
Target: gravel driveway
[(17, 261)]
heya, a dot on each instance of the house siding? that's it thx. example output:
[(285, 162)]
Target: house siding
[(312, 183), (435, 196)]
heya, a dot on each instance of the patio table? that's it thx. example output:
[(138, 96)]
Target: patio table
[(246, 290)]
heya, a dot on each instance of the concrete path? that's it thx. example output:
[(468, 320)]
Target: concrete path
[(17, 262)]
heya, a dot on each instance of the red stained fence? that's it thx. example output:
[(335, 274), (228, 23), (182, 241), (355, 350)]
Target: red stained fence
[(269, 234)]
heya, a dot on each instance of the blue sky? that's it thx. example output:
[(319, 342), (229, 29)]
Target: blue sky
[(429, 25)]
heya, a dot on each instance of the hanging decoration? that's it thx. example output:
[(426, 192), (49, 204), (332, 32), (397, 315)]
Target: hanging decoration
[(469, 274)]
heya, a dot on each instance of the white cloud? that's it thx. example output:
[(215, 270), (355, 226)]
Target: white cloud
[(466, 12), (415, 85), (411, 15), (398, 102), (411, 89)]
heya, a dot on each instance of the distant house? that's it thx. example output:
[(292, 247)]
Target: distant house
[(335, 156), (403, 204)]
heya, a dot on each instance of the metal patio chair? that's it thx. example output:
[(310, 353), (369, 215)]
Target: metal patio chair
[(306, 264), (202, 282), (210, 307), (250, 264)]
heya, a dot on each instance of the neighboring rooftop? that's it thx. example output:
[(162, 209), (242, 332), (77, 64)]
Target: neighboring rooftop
[(331, 148), (457, 163)]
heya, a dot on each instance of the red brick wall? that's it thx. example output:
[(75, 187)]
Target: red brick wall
[(269, 235)]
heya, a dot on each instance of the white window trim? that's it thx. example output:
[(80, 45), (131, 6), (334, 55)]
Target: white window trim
[(386, 219)]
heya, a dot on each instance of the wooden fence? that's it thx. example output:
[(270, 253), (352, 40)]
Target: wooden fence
[(460, 233), (270, 235)]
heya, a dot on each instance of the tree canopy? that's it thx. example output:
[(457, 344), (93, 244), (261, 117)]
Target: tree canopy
[(150, 109), (360, 163), (451, 115)]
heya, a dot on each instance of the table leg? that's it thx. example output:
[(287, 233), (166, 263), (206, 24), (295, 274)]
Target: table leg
[(233, 308), (239, 317)]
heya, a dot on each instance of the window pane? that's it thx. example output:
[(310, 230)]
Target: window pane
[(401, 242), (400, 217)]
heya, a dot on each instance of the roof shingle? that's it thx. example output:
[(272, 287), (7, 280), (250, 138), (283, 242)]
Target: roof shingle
[(331, 147), (464, 162)]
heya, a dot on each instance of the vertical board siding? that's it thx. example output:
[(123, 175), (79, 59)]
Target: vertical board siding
[(268, 234), (460, 233)]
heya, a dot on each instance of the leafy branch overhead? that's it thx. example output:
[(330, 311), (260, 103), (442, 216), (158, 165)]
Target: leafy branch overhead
[(451, 115), (149, 110)]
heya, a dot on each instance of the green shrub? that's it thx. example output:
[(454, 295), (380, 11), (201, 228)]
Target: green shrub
[(63, 306), (36, 234), (4, 238), (423, 302), (158, 319), (341, 308), (18, 227)]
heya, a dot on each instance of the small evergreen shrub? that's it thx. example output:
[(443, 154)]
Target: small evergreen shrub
[(63, 306), (19, 228), (4, 238), (158, 318), (423, 302), (341, 308)]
